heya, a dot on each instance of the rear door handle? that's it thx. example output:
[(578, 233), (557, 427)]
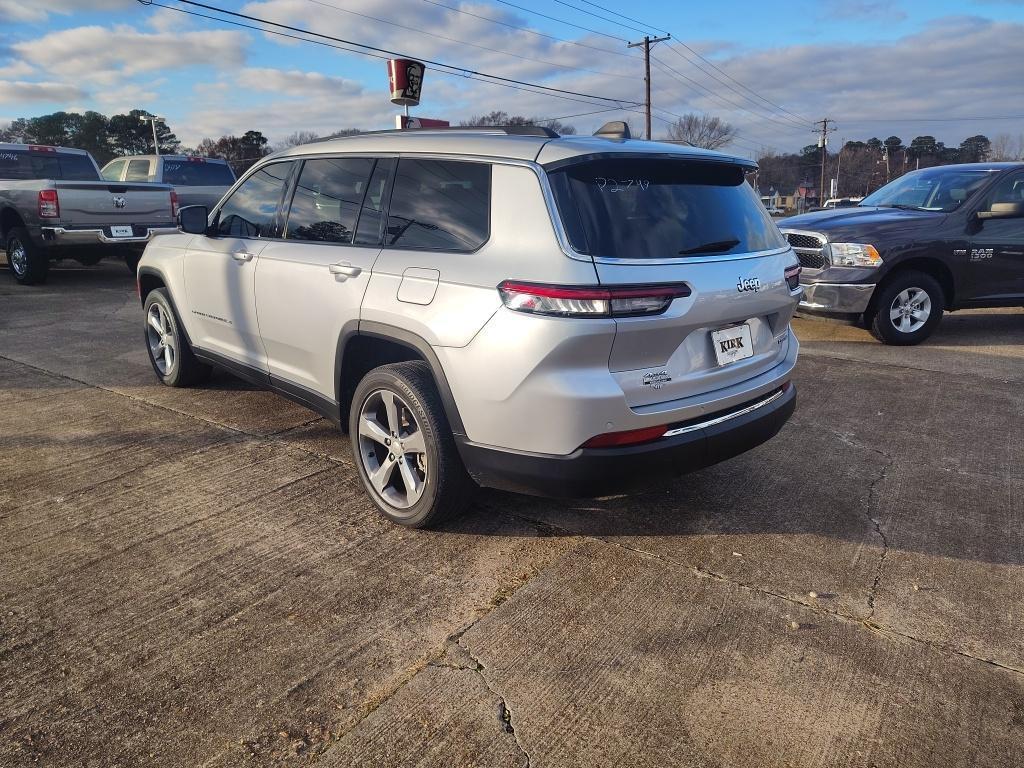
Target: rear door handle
[(344, 270), (242, 256)]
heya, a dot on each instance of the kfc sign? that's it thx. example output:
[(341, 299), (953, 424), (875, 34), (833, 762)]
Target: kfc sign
[(406, 79)]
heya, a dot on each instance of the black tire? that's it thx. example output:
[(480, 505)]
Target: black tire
[(131, 261), (880, 321), (32, 262), (446, 487), (184, 369)]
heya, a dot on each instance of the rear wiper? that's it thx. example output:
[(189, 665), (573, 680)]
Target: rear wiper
[(714, 247)]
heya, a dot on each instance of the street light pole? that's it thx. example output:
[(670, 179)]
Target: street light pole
[(152, 120)]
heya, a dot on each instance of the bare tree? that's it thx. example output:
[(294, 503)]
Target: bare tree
[(297, 138), (701, 131), (1005, 147)]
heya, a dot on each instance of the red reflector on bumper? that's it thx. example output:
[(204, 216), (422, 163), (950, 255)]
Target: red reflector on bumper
[(629, 437)]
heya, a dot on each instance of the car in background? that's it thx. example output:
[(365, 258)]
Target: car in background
[(55, 205), (197, 180), (505, 307), (840, 202), (934, 240)]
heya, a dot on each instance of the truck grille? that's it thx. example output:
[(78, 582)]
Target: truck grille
[(809, 248)]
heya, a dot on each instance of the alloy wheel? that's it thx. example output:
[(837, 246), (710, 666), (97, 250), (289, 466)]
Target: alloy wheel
[(18, 257), (163, 347), (910, 310), (392, 449)]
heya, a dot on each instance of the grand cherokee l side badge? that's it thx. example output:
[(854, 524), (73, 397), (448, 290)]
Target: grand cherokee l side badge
[(656, 380)]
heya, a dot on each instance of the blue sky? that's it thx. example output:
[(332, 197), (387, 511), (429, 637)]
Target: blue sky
[(878, 68)]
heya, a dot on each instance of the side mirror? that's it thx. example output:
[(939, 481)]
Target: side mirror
[(193, 219), (1003, 211)]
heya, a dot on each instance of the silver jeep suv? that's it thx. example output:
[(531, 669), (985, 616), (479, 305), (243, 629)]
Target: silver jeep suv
[(563, 316)]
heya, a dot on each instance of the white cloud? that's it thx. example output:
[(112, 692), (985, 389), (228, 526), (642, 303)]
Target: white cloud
[(16, 69), (19, 92), (38, 10), (105, 56)]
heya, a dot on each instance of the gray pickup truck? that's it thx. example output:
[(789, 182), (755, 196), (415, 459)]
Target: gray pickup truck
[(54, 205), (197, 180)]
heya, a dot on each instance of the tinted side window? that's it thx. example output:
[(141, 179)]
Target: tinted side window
[(1009, 190), (112, 172), (327, 199), (440, 205), (138, 170), (251, 211)]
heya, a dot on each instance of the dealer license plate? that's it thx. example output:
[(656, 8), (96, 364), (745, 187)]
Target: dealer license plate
[(732, 344), (121, 232)]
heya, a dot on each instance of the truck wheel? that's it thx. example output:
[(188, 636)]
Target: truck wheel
[(27, 261), (169, 350), (404, 448), (907, 309)]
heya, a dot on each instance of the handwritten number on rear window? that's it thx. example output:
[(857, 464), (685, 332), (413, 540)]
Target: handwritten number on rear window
[(620, 185)]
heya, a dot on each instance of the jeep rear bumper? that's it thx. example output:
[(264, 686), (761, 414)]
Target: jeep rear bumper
[(589, 472)]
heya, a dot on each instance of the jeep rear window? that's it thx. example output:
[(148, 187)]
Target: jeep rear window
[(658, 208), (197, 173), (24, 165)]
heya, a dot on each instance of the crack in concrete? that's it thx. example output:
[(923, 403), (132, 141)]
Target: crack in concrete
[(872, 503), (504, 713)]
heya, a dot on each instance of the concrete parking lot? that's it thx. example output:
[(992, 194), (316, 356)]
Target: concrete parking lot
[(193, 577)]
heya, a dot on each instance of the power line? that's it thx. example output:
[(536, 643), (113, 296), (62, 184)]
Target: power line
[(562, 21), (627, 18), (645, 30), (390, 53), (527, 30), (464, 42), (929, 119), (803, 121), (672, 71), (457, 71)]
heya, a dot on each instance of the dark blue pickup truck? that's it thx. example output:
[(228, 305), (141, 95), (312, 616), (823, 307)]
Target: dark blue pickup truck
[(934, 240)]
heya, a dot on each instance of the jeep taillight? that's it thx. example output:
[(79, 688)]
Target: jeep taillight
[(793, 277), (589, 301), (174, 204), (49, 205)]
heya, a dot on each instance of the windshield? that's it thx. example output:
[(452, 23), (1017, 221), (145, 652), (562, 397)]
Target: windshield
[(933, 189), (654, 208), (197, 173), (24, 165)]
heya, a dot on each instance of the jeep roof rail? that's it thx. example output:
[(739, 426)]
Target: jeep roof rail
[(509, 130)]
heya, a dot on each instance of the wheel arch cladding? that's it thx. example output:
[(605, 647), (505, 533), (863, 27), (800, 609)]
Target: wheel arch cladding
[(930, 266), (149, 280), (363, 346), (9, 219)]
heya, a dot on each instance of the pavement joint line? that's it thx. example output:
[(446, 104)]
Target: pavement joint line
[(866, 622)]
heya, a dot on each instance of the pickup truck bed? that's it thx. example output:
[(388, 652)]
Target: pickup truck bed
[(45, 218)]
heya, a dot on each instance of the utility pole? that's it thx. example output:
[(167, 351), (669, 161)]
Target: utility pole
[(647, 42), (823, 143)]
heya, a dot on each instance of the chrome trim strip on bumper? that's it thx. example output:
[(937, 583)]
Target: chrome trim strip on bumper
[(727, 417), (846, 298), (86, 236)]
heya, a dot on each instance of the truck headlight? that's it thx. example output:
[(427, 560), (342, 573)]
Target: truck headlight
[(854, 255)]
